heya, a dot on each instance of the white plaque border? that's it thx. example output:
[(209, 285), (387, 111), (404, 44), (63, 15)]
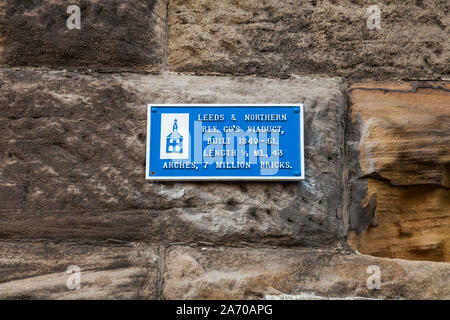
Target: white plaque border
[(227, 178)]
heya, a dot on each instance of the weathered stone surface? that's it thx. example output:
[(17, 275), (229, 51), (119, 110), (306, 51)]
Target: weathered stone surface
[(245, 273), (310, 37), (401, 160), (39, 271), (413, 223), (405, 131), (72, 151), (73, 157), (114, 35)]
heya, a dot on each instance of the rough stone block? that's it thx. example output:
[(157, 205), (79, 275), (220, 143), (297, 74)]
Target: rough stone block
[(38, 270), (399, 143), (114, 35), (249, 273), (279, 38), (73, 158)]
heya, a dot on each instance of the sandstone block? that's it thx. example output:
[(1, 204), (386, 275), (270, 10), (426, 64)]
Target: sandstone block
[(38, 270), (402, 162), (246, 273), (413, 223), (279, 38), (114, 35), (73, 161)]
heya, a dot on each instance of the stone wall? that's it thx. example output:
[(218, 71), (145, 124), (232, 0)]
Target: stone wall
[(72, 150)]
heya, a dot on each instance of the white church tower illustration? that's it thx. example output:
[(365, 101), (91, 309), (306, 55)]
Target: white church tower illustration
[(174, 141)]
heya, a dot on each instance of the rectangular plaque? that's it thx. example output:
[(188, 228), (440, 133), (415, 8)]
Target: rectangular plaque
[(225, 142)]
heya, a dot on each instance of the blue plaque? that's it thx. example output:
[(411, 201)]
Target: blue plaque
[(225, 142)]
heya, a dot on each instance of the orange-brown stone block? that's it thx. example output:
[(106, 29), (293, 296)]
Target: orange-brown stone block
[(403, 151)]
